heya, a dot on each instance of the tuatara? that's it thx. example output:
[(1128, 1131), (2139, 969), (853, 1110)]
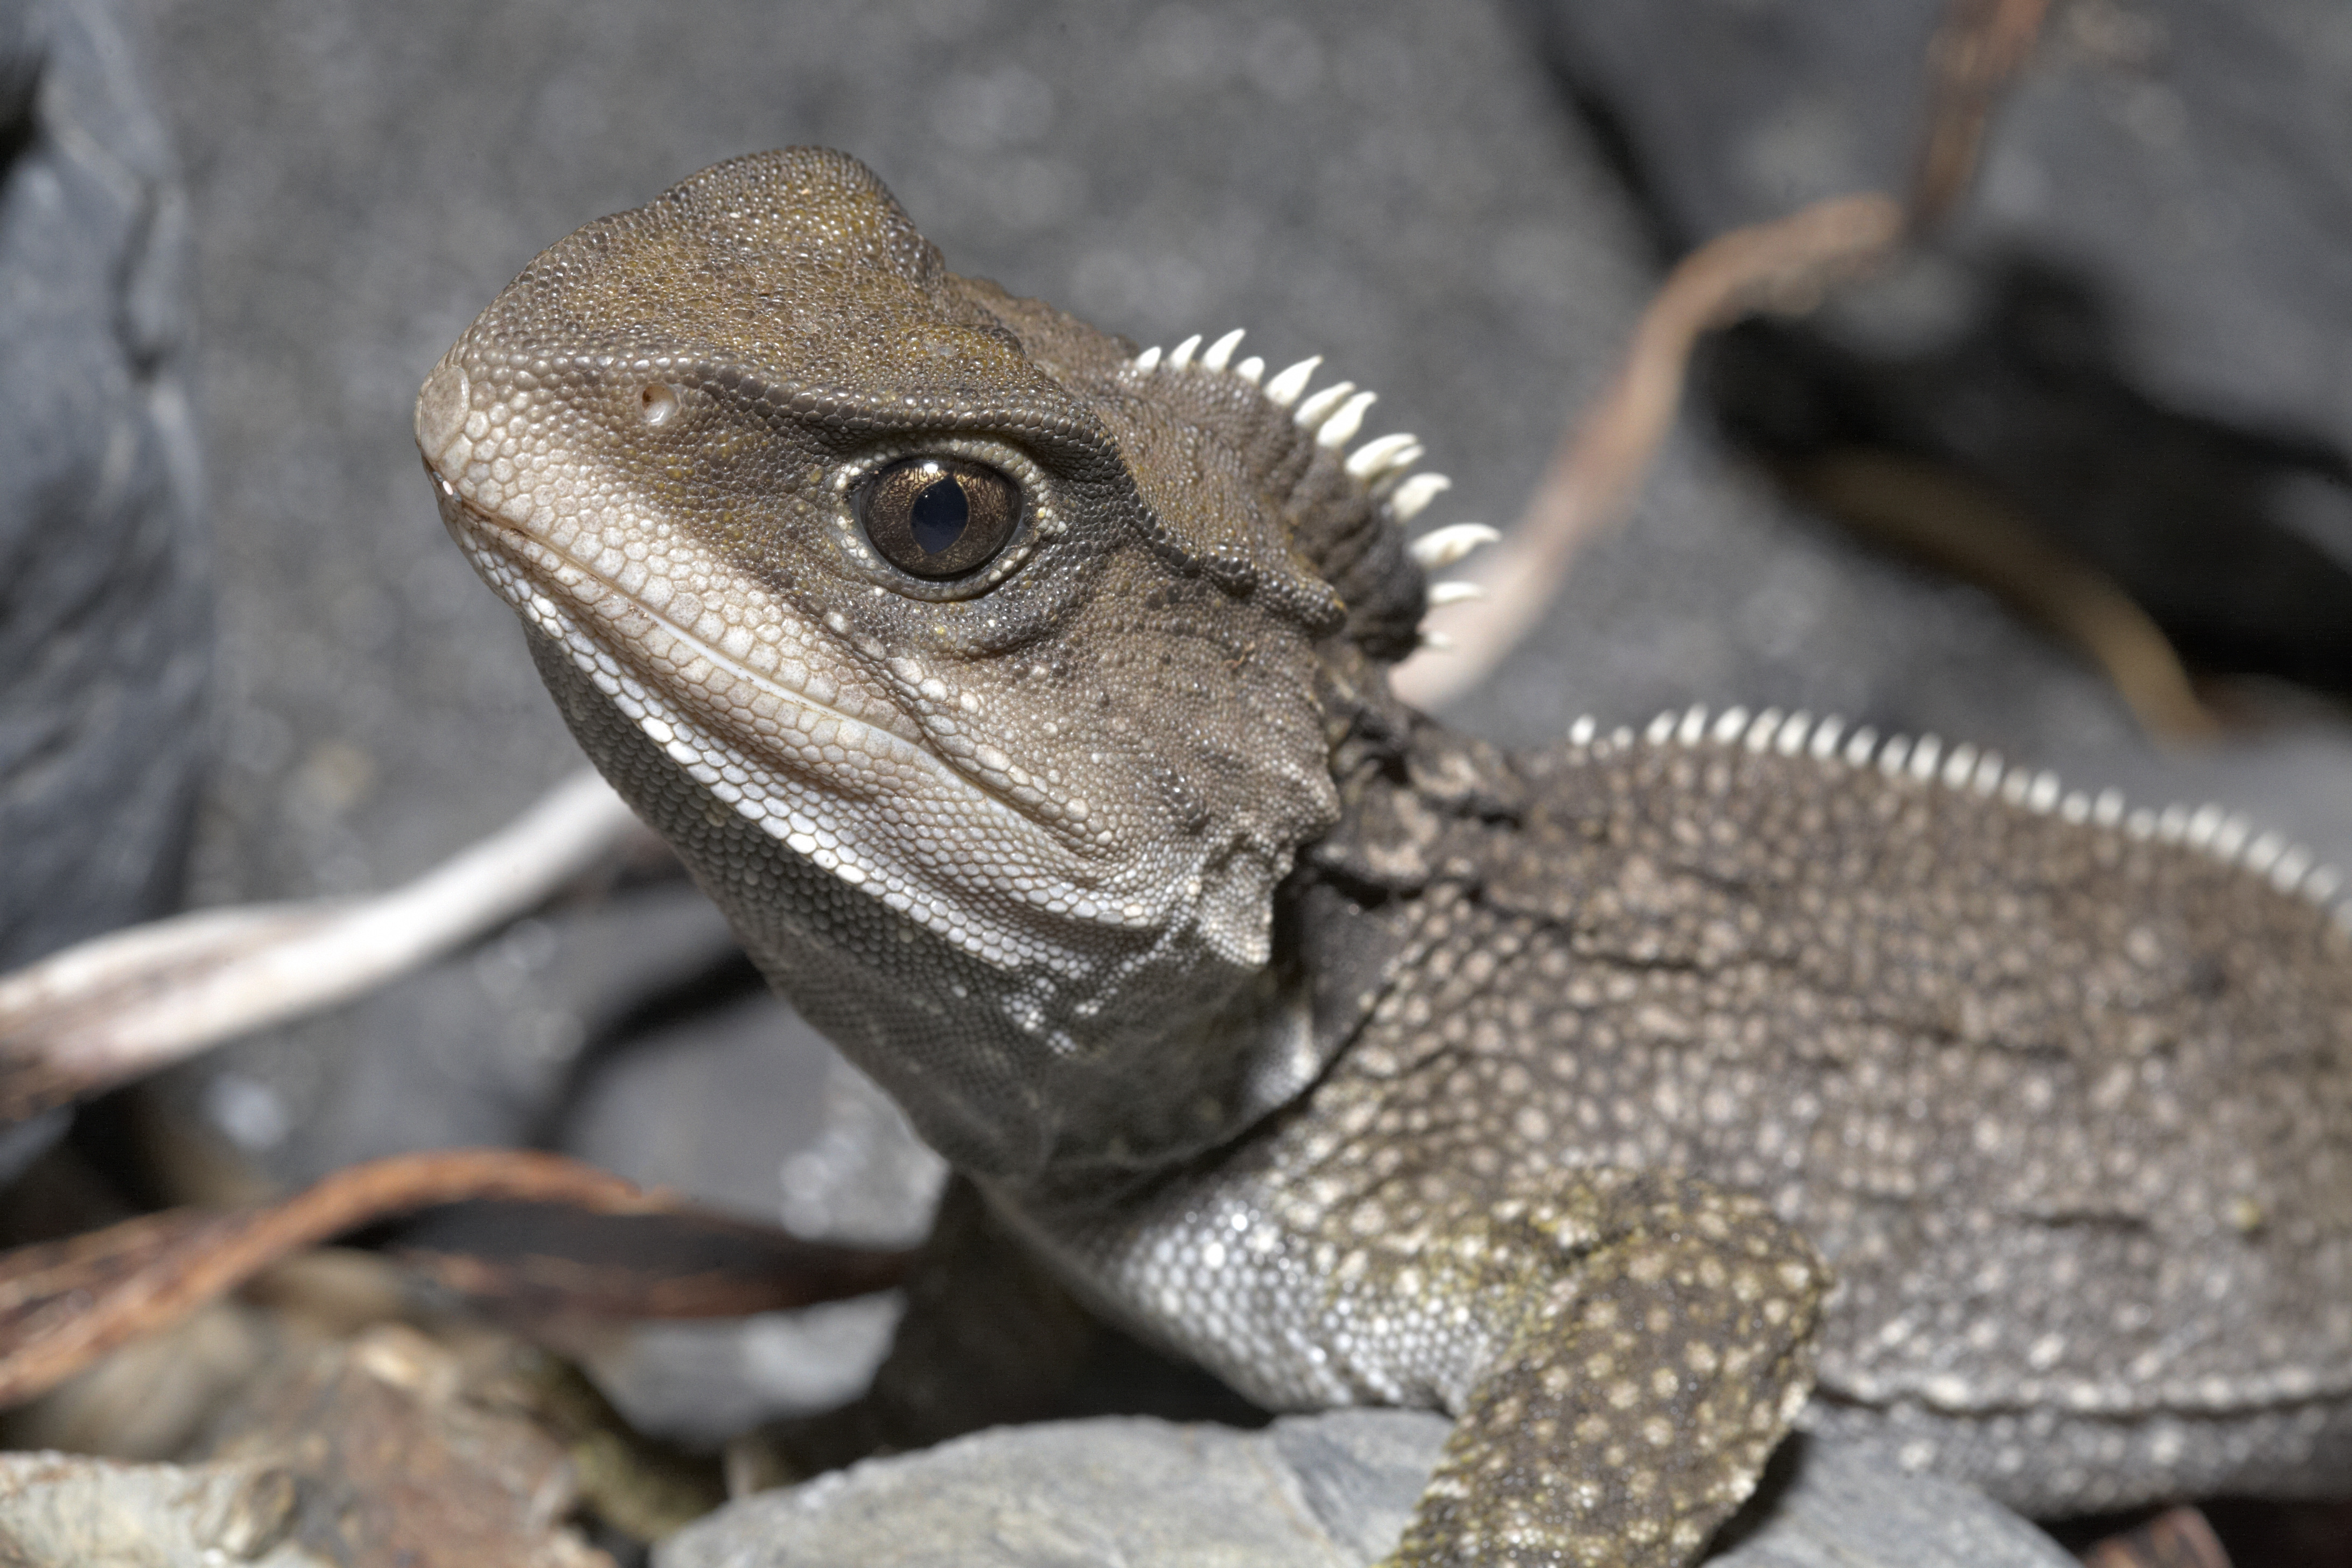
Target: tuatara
[(1023, 700)]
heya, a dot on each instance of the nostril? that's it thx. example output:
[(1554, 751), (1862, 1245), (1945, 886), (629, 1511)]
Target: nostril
[(658, 401)]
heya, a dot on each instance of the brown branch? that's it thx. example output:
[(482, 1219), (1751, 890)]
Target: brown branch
[(547, 1264), (1979, 47), (1785, 265), (1939, 517), (63, 1304)]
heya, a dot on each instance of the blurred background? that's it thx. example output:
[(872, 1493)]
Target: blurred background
[(239, 659)]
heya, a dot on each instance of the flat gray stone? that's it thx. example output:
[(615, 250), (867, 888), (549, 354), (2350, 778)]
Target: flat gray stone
[(1308, 1491), (1837, 1505), (1324, 1491), (2192, 158)]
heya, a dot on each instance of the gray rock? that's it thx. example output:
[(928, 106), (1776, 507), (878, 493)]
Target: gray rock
[(1834, 1505), (1334, 1490), (105, 626), (481, 1048), (745, 1106), (627, 1032), (751, 1109), (702, 1383), (1326, 1492), (2061, 344), (2194, 157), (2134, 329), (1730, 114)]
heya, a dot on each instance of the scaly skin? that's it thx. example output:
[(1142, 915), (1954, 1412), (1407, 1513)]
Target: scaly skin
[(1356, 1061)]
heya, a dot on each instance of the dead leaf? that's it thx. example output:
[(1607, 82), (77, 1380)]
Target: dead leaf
[(396, 1462), (65, 1303), (543, 1260), (2177, 1537)]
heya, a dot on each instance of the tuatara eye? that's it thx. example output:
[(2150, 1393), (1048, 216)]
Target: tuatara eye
[(939, 517)]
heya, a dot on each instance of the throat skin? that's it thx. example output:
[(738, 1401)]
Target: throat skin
[(1047, 1077), (1634, 1101)]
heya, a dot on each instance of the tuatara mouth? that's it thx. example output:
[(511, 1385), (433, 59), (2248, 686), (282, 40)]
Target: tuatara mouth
[(613, 637), (482, 533), (522, 568)]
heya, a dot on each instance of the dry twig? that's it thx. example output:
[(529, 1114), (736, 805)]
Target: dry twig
[(1786, 264), (1787, 267), (1937, 516), (126, 1003), (1980, 47)]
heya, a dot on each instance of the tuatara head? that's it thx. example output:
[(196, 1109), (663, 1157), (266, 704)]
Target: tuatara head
[(976, 664)]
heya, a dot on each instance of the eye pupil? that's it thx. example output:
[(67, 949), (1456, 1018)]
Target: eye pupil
[(936, 518), (939, 517)]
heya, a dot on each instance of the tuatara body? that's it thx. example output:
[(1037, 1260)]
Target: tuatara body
[(1023, 700)]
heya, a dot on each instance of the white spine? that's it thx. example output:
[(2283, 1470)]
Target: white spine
[(1284, 389), (1415, 493), (1341, 427), (1315, 410), (1443, 547), (1376, 456), (2209, 831)]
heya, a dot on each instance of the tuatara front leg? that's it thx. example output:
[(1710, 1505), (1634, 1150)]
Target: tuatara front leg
[(1622, 1349), (1662, 1352)]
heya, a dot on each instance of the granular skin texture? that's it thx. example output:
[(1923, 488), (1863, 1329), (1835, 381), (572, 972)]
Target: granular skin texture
[(1630, 1101)]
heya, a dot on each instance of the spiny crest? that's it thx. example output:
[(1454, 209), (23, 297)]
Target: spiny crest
[(2226, 838), (1379, 467)]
